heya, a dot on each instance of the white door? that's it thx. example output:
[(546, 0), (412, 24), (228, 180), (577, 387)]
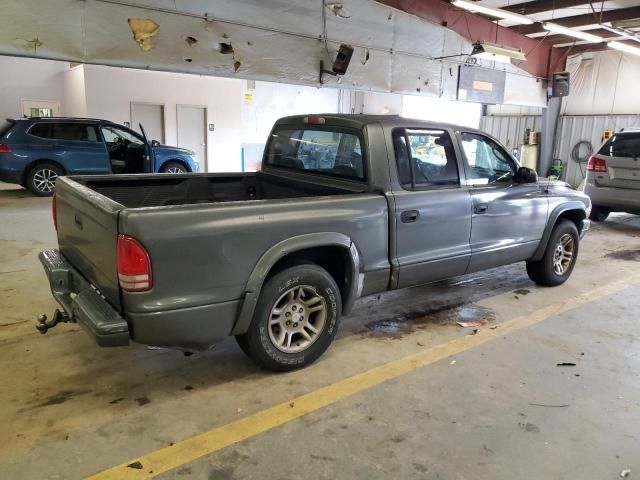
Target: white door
[(192, 124), (152, 119)]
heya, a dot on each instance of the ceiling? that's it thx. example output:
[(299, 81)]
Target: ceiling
[(586, 16)]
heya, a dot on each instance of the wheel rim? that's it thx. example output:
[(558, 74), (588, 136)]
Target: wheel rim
[(563, 254), (175, 170), (45, 180), (297, 319)]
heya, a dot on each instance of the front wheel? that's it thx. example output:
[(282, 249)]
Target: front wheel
[(173, 167), (41, 179), (599, 214), (295, 320), (559, 257)]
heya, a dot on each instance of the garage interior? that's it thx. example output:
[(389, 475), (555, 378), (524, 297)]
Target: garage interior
[(482, 376)]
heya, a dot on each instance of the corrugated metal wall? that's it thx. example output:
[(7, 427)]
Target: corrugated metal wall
[(571, 130)]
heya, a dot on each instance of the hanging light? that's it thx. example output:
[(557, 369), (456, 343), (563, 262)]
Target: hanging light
[(492, 12), (497, 53), (572, 32)]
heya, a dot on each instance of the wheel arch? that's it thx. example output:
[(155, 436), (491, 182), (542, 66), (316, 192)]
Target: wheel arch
[(335, 252), (175, 160), (29, 167), (572, 211)]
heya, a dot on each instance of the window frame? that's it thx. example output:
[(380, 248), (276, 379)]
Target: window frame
[(609, 145), (122, 127), (468, 168), (52, 139), (323, 128), (417, 187)]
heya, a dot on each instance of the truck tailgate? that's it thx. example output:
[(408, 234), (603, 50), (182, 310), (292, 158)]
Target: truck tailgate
[(87, 225)]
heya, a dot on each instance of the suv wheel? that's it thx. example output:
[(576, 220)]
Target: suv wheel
[(41, 179), (599, 214), (559, 257), (173, 167), (296, 319)]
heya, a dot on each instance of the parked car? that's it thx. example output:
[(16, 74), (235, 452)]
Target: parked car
[(613, 176), (35, 151), (343, 207)]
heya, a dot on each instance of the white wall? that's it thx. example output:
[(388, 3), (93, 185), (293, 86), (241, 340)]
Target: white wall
[(75, 99), (29, 79), (441, 110), (110, 91)]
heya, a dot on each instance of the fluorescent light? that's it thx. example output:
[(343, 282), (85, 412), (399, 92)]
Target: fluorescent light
[(571, 32), (620, 32), (623, 47), (492, 12), (497, 53)]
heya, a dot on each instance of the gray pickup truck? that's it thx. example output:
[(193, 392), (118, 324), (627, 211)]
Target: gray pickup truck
[(344, 206)]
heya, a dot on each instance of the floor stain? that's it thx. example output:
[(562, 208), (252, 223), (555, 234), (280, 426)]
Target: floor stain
[(142, 401), (522, 291), (630, 255), (529, 427), (409, 322), (58, 398)]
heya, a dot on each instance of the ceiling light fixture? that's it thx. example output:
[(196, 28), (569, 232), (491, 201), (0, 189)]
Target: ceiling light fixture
[(497, 53), (623, 47), (620, 32), (492, 12), (571, 32)]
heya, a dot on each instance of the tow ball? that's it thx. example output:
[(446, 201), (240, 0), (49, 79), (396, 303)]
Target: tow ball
[(44, 325)]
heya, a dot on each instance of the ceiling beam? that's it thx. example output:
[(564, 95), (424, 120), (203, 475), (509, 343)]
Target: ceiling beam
[(542, 60), (586, 19), (539, 6)]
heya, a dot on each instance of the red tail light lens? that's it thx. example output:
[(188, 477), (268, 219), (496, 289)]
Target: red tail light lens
[(54, 210), (597, 165), (4, 149), (134, 265)]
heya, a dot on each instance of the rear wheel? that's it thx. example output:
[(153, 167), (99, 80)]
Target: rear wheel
[(173, 167), (41, 179), (295, 320), (559, 258), (599, 214)]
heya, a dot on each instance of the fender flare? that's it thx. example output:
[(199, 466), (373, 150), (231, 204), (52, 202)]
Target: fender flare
[(553, 218), (287, 247)]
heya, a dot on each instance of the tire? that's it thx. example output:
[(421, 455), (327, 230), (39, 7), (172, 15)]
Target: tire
[(278, 347), (173, 167), (42, 177), (599, 214), (555, 268)]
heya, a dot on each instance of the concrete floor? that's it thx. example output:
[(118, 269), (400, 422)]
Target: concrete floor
[(69, 409)]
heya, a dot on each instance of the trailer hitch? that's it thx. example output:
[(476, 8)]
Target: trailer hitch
[(44, 325)]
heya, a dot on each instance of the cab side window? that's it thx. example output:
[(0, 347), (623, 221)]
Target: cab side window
[(488, 163), (425, 159)]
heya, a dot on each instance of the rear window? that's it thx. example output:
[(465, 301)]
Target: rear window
[(65, 131), (326, 151), (5, 127), (622, 145)]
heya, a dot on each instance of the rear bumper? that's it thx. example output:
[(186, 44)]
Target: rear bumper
[(82, 303), (615, 198), (10, 176)]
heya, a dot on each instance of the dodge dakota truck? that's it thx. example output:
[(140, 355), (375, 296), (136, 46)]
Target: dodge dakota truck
[(343, 206)]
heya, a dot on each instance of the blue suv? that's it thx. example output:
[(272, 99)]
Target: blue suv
[(35, 151)]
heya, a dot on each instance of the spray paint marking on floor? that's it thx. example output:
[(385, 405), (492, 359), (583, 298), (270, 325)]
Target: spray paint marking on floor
[(190, 449)]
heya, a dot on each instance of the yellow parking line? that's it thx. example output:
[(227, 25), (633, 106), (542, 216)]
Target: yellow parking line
[(206, 443)]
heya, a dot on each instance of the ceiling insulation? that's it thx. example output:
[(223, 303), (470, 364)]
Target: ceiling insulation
[(274, 40)]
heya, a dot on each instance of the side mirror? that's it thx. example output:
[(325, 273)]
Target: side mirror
[(526, 175), (155, 143)]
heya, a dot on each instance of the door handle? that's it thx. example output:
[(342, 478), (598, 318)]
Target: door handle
[(409, 216), (480, 208)]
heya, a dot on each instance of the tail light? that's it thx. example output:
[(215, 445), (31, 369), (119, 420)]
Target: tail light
[(596, 165), (4, 149), (54, 210), (134, 265)]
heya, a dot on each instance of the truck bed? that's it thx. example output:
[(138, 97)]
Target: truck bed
[(137, 191)]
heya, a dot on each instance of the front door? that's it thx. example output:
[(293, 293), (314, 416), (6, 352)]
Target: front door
[(192, 131), (509, 218), (433, 208)]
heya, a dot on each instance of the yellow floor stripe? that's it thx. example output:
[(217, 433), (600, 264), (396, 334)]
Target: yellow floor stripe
[(206, 443)]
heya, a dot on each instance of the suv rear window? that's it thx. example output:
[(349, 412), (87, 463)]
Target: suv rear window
[(65, 131), (326, 151), (622, 145), (5, 127)]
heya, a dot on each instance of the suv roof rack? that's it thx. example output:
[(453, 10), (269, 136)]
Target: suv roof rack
[(630, 129), (62, 118)]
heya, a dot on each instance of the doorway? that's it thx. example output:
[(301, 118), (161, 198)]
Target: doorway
[(151, 116), (192, 131)]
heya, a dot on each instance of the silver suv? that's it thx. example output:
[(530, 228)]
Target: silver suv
[(613, 176)]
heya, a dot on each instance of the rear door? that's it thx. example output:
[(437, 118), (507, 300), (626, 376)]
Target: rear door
[(622, 156), (433, 208), (87, 225)]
